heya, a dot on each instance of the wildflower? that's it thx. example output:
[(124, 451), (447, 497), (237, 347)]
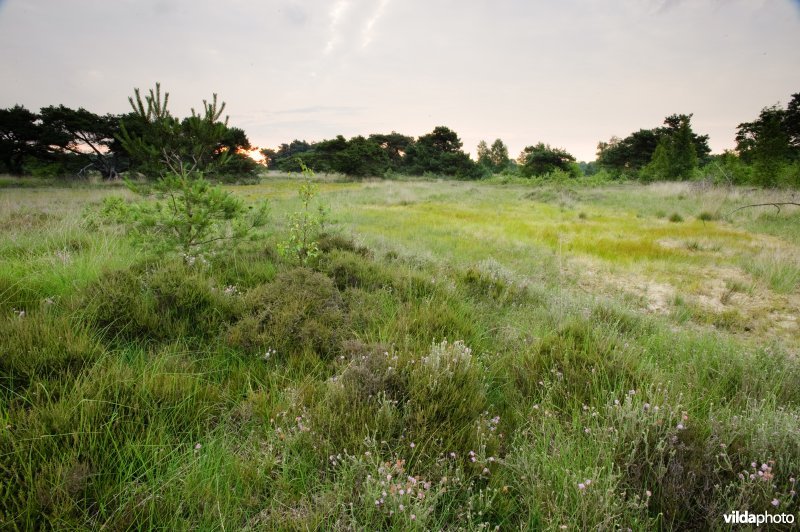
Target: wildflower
[(412, 517), (401, 508), (581, 486), (680, 426), (587, 481), (775, 502), (413, 445), (649, 493), (197, 447)]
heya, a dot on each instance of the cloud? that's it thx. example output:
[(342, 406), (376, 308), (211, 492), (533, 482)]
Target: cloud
[(369, 28), (336, 15)]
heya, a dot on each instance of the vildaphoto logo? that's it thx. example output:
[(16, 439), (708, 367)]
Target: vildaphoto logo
[(747, 518)]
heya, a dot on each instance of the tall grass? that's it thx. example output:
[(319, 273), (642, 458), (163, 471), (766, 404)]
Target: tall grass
[(415, 377)]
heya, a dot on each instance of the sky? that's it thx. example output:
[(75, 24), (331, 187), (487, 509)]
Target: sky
[(569, 73)]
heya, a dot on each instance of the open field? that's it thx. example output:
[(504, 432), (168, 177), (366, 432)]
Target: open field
[(461, 355)]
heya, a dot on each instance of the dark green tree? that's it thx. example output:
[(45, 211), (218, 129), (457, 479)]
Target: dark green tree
[(395, 145), (202, 141), (675, 157), (362, 157), (86, 136), (629, 156), (541, 159), (770, 149), (439, 152), (20, 138)]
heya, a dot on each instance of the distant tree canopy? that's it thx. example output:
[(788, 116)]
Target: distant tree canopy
[(493, 158), (541, 159), (20, 138), (681, 150), (438, 152), (60, 141), (89, 137), (771, 142), (63, 141)]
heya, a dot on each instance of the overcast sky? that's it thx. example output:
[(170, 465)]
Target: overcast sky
[(569, 73)]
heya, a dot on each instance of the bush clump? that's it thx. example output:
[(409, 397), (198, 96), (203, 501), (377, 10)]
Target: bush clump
[(447, 396), (300, 310), (171, 301)]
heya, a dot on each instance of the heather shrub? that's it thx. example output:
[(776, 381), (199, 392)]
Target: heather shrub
[(300, 310), (447, 397), (364, 399), (170, 301)]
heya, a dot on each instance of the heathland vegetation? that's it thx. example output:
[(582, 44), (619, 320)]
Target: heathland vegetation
[(559, 346)]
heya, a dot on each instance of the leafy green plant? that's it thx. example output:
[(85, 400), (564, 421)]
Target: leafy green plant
[(305, 225), (187, 213)]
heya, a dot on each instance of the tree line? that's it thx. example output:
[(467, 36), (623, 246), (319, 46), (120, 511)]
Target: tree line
[(59, 140)]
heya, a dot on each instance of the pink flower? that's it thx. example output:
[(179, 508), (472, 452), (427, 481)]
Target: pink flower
[(775, 502), (581, 486)]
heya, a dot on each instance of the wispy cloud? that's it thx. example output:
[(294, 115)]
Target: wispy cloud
[(336, 15), (369, 28)]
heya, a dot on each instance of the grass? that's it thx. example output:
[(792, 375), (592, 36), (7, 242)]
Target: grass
[(461, 355)]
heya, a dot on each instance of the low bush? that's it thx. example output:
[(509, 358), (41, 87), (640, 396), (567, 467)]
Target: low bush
[(170, 301), (300, 310)]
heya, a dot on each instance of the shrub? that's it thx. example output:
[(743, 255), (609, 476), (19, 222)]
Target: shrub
[(675, 217), (447, 396), (300, 310), (170, 301), (708, 216), (364, 399)]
